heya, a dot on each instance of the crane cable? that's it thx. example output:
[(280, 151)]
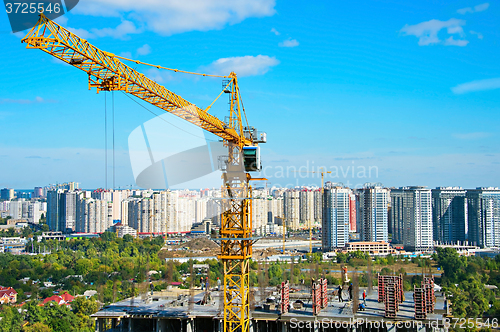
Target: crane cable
[(185, 72), (243, 107), (166, 68), (105, 141), (164, 120), (113, 119)]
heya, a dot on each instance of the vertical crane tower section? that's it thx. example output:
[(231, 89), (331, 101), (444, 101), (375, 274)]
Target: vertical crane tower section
[(107, 73)]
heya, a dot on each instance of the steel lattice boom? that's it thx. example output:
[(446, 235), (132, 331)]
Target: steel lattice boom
[(106, 72)]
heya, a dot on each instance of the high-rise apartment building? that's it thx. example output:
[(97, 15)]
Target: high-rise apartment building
[(291, 209), (93, 215), (318, 207), (449, 214), (16, 209), (336, 217), (306, 208), (61, 210), (259, 208), (412, 217), (373, 213), (186, 213), (54, 209), (38, 192), (158, 213), (68, 212), (35, 210), (274, 210), (7, 194), (352, 213), (164, 212), (483, 213)]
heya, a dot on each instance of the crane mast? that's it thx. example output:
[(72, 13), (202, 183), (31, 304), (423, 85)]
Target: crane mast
[(107, 73)]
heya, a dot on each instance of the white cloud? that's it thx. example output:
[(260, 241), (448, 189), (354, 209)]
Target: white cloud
[(242, 66), (476, 9), (82, 33), (455, 42), (62, 20), (127, 55), (473, 136), (144, 50), (481, 7), (427, 32), (176, 16), (276, 32), (120, 32), (465, 10), (478, 34), (37, 100), (159, 76), (479, 85), (289, 43)]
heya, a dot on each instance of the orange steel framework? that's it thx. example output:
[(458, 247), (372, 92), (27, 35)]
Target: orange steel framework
[(107, 73)]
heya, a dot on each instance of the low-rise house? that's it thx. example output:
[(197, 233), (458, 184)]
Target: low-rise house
[(7, 295), (13, 245), (89, 293), (380, 248), (64, 298)]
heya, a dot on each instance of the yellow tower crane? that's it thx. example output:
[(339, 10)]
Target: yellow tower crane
[(323, 172), (107, 73)]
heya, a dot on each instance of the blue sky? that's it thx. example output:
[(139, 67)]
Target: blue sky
[(408, 89)]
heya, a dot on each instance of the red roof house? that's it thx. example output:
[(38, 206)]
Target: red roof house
[(60, 300), (7, 295)]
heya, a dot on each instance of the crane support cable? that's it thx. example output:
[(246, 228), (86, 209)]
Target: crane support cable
[(243, 107), (166, 68), (108, 73), (220, 94)]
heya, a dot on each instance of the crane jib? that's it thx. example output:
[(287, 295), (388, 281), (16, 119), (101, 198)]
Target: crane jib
[(106, 72)]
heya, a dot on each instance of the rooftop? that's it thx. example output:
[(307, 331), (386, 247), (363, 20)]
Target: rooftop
[(184, 307)]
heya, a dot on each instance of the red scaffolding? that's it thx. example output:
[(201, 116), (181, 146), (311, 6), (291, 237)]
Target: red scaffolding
[(316, 297), (319, 294), (430, 299), (285, 297), (420, 303), (391, 303), (390, 291), (324, 293)]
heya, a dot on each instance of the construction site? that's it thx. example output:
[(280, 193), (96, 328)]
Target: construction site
[(285, 308)]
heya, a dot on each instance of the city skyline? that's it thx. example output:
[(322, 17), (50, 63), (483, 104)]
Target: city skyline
[(381, 89), (413, 217)]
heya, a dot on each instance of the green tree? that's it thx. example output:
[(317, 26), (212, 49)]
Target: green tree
[(83, 306), (108, 236), (468, 298), (11, 320), (341, 257), (37, 327), (451, 263), (60, 318), (128, 238)]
